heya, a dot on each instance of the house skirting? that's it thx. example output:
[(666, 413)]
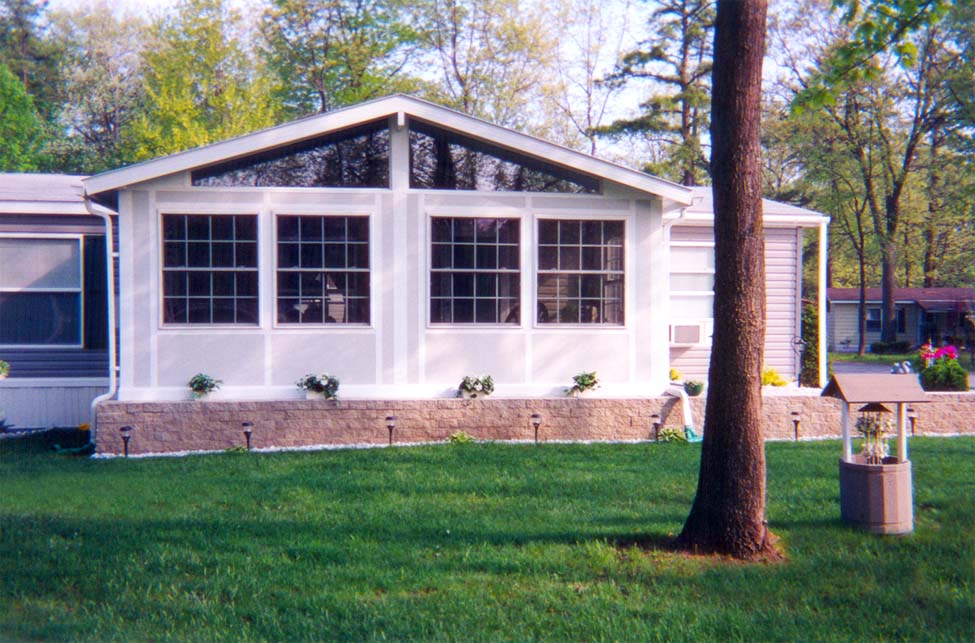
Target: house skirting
[(171, 427)]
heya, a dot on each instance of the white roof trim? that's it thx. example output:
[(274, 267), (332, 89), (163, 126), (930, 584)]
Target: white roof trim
[(374, 110)]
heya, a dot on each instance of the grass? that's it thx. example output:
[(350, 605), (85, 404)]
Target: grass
[(471, 542), (872, 358)]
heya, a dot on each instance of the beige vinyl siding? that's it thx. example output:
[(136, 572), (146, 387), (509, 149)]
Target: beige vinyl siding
[(781, 265), (843, 325)]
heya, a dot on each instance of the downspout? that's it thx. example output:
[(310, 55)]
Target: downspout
[(99, 211), (821, 317)]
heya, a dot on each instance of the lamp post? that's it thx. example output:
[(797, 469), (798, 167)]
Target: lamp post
[(799, 345), (536, 422), (390, 425), (655, 419), (126, 432), (248, 429), (795, 425)]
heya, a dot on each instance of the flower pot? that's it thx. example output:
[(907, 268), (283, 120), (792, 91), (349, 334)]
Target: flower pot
[(471, 395), (314, 395), (3, 376), (693, 388), (877, 497)]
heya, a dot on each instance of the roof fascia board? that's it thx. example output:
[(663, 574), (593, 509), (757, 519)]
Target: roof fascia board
[(374, 110), (770, 220), (40, 207)]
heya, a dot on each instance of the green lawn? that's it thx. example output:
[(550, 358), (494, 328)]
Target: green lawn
[(465, 542)]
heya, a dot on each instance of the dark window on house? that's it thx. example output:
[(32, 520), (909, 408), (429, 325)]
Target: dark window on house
[(901, 320), (475, 271), (580, 272), (40, 291), (323, 270), (210, 269), (444, 160), (353, 158), (873, 320)]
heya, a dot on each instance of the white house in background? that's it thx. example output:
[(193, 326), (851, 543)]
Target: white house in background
[(401, 245)]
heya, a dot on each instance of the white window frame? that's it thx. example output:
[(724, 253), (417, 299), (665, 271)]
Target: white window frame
[(335, 212), (189, 210), (79, 239), (704, 324)]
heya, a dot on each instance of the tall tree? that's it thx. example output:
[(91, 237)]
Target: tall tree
[(28, 53), (676, 60), (21, 128), (101, 89), (728, 514), (200, 83), (331, 53)]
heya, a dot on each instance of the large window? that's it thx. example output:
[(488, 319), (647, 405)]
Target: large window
[(210, 269), (475, 271), (580, 272), (691, 293), (323, 270), (40, 291)]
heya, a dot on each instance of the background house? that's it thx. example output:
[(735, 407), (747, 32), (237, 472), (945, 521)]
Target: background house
[(400, 246), (53, 321), (939, 315)]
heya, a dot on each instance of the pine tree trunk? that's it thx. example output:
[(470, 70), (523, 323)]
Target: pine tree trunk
[(888, 277), (728, 515)]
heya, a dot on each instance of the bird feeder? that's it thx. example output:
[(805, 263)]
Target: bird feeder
[(876, 491)]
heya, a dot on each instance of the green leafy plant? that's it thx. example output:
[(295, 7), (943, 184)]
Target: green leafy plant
[(460, 437), (771, 377), (941, 371), (584, 382), (325, 384), (4, 369), (202, 384), (475, 386), (672, 434)]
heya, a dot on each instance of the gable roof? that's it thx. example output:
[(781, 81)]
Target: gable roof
[(402, 106), (930, 299), (59, 194)]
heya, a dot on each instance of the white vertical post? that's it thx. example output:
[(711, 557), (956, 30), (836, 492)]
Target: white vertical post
[(845, 424), (902, 431), (823, 250)]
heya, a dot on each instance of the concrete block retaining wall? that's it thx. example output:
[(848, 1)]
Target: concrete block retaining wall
[(167, 427)]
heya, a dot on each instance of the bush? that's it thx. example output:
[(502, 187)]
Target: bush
[(879, 348), (771, 377), (900, 346), (945, 375), (460, 437), (809, 374), (672, 434)]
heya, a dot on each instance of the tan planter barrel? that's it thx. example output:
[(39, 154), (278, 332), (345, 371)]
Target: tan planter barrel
[(877, 497)]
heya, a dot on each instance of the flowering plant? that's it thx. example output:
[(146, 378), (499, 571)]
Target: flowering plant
[(201, 384), (4, 369), (941, 371), (475, 386), (874, 430), (327, 385)]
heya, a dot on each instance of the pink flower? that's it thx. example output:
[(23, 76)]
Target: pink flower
[(927, 352), (948, 351)]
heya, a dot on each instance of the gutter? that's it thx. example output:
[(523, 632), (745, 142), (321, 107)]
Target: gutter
[(99, 211)]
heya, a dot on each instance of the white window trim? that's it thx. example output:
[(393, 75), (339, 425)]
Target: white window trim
[(317, 212), (197, 210), (80, 290), (628, 259)]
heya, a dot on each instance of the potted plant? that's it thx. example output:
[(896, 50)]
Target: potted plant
[(941, 370), (474, 387), (4, 369), (693, 387), (322, 386), (202, 385), (584, 383)]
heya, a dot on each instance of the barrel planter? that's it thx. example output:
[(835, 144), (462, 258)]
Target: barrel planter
[(877, 497)]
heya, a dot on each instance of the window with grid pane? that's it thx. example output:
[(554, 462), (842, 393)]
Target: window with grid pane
[(580, 272), (323, 270), (210, 269), (475, 271)]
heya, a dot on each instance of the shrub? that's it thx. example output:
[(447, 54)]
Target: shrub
[(809, 373), (460, 437), (672, 434), (879, 347), (900, 346), (674, 375), (945, 374)]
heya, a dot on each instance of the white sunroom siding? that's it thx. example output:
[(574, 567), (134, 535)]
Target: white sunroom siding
[(781, 266)]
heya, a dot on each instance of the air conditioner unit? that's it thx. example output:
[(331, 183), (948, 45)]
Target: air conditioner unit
[(690, 334)]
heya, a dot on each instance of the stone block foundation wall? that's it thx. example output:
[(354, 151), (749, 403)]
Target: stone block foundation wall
[(170, 427)]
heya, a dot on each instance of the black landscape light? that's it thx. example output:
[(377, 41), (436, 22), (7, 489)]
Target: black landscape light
[(248, 430), (126, 432), (655, 419), (795, 425), (390, 426), (912, 416), (536, 422)]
